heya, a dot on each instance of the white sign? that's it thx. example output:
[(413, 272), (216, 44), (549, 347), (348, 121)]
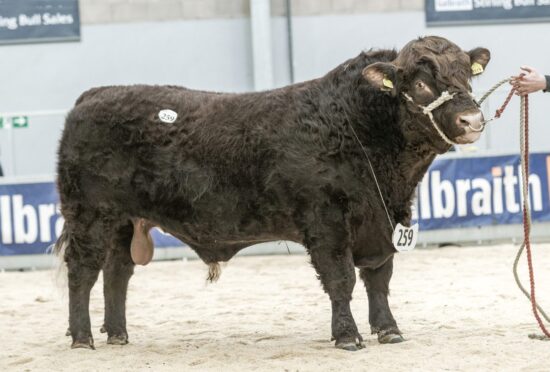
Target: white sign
[(30, 21), (453, 5), (168, 116), (404, 238)]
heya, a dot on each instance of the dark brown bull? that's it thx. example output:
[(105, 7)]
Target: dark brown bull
[(233, 170)]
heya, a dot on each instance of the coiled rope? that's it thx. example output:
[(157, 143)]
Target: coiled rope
[(526, 245), (524, 148)]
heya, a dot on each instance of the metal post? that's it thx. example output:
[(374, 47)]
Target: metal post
[(260, 19), (12, 144), (290, 39)]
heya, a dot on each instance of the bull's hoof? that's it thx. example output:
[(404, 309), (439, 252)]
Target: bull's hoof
[(390, 338), (83, 344), (351, 345), (117, 340)]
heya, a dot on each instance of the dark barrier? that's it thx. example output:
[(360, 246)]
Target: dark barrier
[(481, 191), (29, 21), (455, 12), (29, 218)]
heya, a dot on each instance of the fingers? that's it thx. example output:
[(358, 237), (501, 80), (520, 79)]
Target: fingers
[(527, 68), (521, 90), (528, 81), (521, 93)]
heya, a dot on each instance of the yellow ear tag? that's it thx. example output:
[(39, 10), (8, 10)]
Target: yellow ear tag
[(477, 68), (387, 83)]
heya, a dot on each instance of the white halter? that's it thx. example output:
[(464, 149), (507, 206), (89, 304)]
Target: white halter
[(427, 110)]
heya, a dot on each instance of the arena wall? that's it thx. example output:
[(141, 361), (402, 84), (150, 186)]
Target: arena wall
[(117, 11), (206, 44)]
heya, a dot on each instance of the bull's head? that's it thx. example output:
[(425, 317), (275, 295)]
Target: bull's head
[(432, 77)]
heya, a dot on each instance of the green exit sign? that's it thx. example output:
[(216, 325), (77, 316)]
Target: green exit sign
[(14, 122), (20, 121)]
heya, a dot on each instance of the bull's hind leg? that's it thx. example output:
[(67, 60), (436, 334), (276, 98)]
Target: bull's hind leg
[(334, 264), (84, 255), (380, 317), (81, 281), (117, 271)]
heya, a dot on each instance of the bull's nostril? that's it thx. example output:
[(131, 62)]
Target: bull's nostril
[(463, 121), (473, 121)]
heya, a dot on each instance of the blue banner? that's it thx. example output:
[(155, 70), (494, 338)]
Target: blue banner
[(30, 221), (481, 191), (29, 218), (455, 193), (453, 12), (29, 21)]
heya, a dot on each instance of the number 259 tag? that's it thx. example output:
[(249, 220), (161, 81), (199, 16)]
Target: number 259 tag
[(404, 238)]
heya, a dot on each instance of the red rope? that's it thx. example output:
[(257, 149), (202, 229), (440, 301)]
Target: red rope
[(526, 217), (526, 224), (506, 102)]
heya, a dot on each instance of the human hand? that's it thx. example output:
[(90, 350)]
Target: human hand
[(528, 81)]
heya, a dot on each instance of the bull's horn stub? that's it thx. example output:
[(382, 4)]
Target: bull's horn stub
[(404, 238), (477, 68), (168, 116)]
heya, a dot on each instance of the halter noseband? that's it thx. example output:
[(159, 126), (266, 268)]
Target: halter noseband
[(427, 110)]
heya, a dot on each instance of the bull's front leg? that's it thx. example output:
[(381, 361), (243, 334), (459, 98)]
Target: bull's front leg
[(380, 317), (333, 262)]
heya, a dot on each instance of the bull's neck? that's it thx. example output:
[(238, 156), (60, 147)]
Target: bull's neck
[(380, 126)]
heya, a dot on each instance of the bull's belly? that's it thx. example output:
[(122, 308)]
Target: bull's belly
[(220, 230), (219, 243), (218, 227)]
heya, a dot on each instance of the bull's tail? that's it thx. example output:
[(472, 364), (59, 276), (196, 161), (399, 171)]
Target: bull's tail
[(214, 272), (59, 248), (61, 244)]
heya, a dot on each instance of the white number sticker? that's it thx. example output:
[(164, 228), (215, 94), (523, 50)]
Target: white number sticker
[(168, 116), (404, 238)]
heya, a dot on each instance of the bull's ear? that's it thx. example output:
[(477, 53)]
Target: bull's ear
[(479, 58), (382, 75)]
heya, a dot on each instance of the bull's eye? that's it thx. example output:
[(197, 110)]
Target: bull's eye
[(420, 85)]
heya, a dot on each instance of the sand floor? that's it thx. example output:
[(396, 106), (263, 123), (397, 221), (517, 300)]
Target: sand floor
[(458, 308)]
